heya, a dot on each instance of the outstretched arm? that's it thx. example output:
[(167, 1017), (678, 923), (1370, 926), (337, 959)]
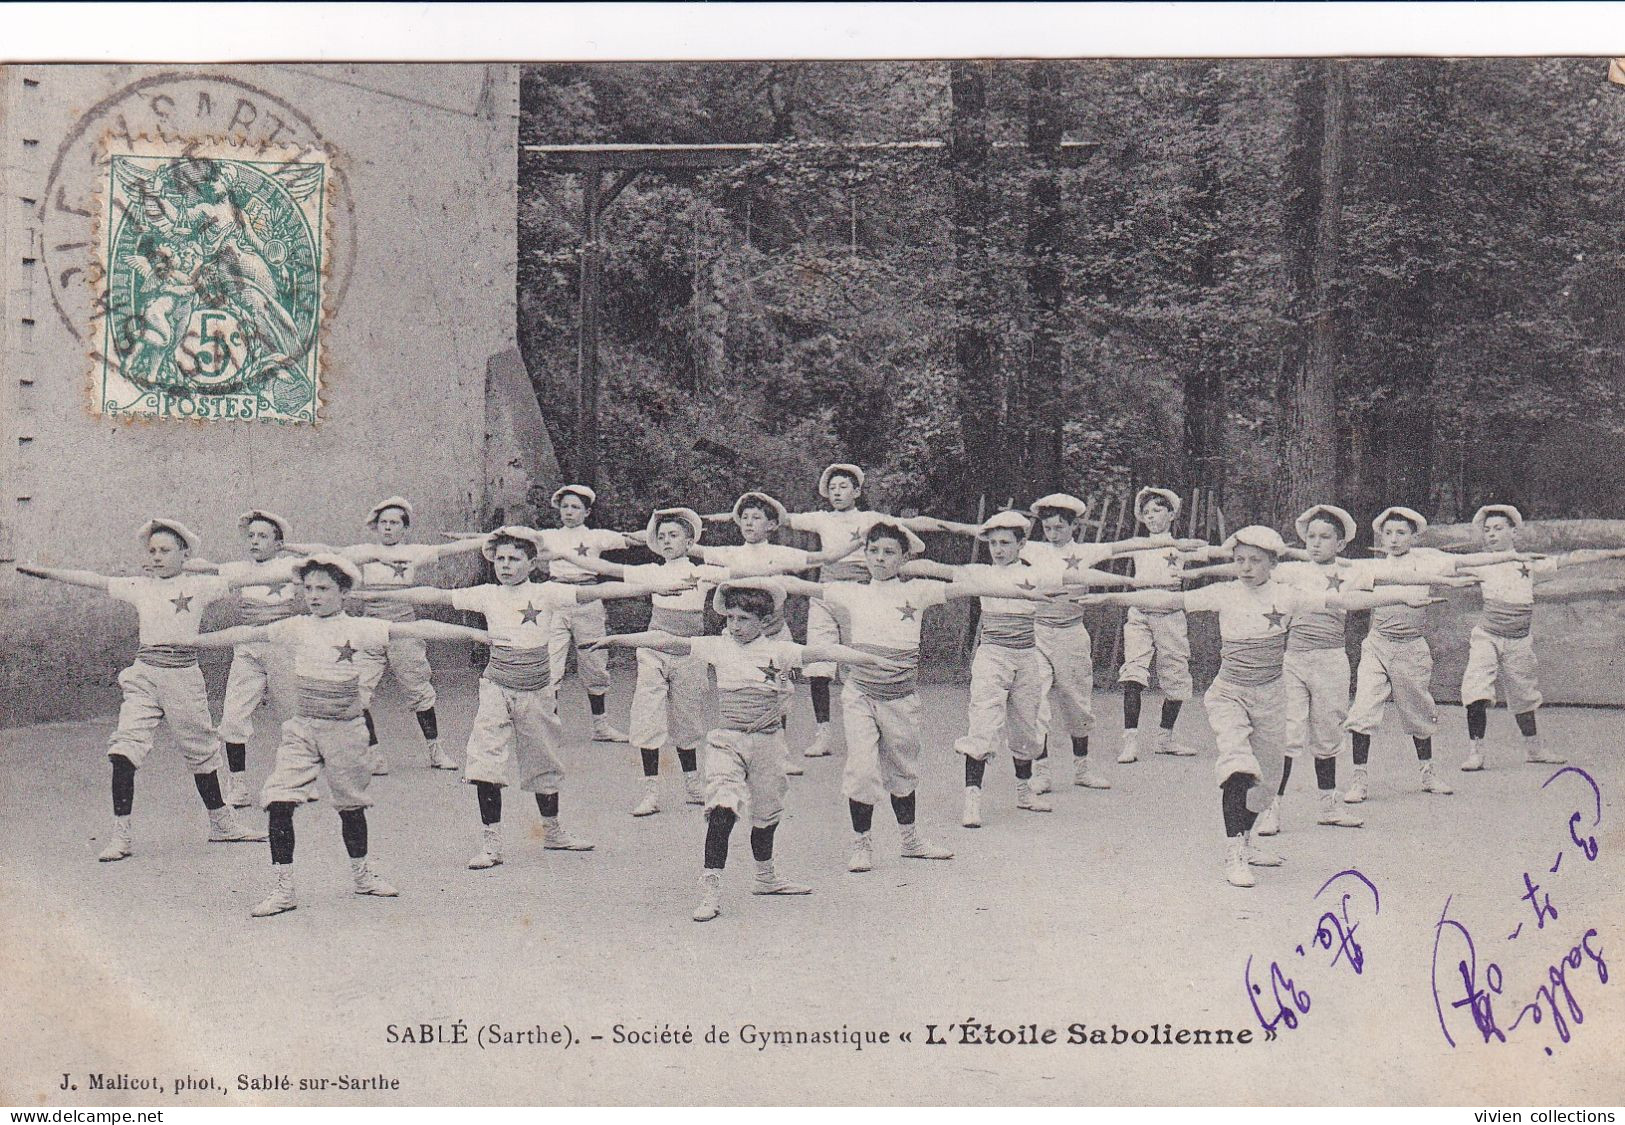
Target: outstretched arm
[(413, 595), (844, 654), (200, 566), (86, 578), (585, 594), (932, 523), (437, 631), (596, 565), (1490, 558), (1164, 600), (236, 635), (1587, 555), (1151, 543), (658, 641), (456, 547), (1370, 599), (1217, 570), (926, 568), (986, 586), (802, 588)]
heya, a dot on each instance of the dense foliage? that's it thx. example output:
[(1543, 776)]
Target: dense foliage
[(890, 306)]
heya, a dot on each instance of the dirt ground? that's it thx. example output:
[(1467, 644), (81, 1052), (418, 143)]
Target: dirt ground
[(1111, 910)]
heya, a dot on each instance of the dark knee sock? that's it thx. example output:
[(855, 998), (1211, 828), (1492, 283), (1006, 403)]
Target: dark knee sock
[(595, 703), (1326, 773), (1024, 770), (1170, 712), (1526, 723), (123, 784), (1233, 804), (353, 825), (1043, 755), (547, 804), (820, 698), (1424, 749), (236, 757), (761, 843), (903, 808), (208, 787), (719, 824), (689, 760), (372, 730), (1131, 705), (974, 769), (1080, 747), (489, 795), (280, 830), (1362, 748), (1478, 718), (428, 723), (1286, 772), (651, 761), (863, 816)]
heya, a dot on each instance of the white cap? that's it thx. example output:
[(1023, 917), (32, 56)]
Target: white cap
[(1338, 515), (1145, 494), (188, 537), (339, 561), (382, 506), (851, 470), (1514, 517), (1008, 520), (687, 515), (1418, 520), (1061, 500), (514, 531), (916, 545), (779, 510), (1257, 535), (766, 584), (284, 528), (579, 490)]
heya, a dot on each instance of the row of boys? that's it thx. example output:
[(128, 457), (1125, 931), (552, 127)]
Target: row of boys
[(1277, 688)]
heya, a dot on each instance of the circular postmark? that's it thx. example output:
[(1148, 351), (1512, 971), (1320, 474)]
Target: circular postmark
[(184, 104)]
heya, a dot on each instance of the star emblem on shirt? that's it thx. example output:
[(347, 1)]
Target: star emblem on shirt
[(772, 672), (287, 589), (182, 603), (1171, 558), (1523, 569), (346, 652), (398, 568), (1073, 562), (857, 535), (1334, 582), (1275, 617), (908, 611), (529, 614), (1026, 584), (581, 549)]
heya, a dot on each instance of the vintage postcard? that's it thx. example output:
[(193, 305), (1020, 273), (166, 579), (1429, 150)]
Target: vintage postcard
[(1076, 582)]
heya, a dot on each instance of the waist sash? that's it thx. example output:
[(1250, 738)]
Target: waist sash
[(885, 685), (1317, 630), (1507, 619), (328, 699), (1398, 623), (387, 610), (1007, 630), (1254, 661), (751, 710), (167, 656), (519, 669)]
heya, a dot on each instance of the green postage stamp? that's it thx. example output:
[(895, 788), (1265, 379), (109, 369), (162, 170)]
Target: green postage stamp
[(212, 259)]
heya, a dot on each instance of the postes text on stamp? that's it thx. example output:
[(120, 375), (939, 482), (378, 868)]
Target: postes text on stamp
[(212, 258)]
